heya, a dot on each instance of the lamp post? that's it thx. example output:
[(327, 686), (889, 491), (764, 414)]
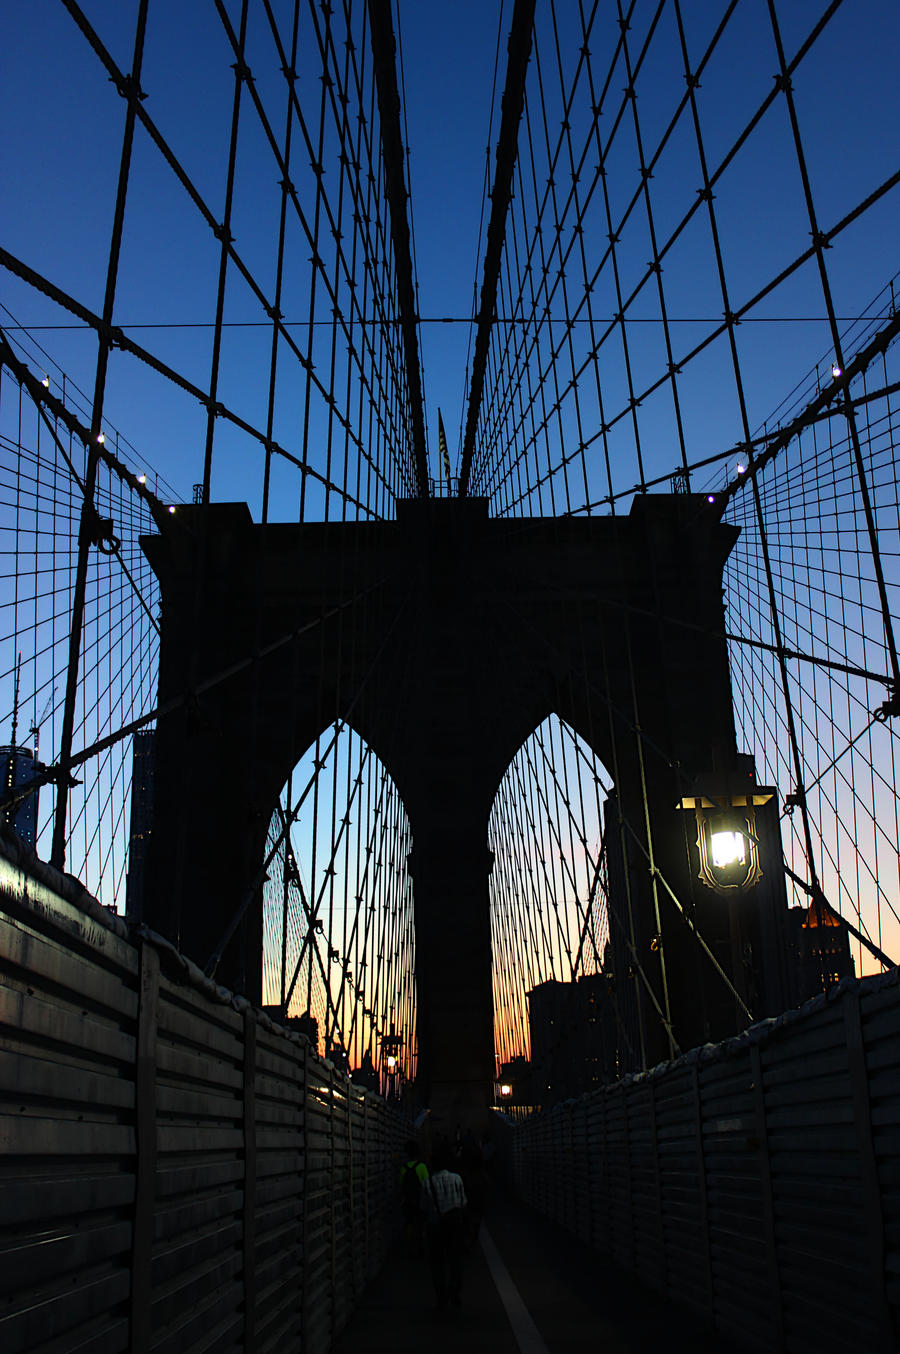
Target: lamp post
[(727, 840), (391, 1049), (728, 863)]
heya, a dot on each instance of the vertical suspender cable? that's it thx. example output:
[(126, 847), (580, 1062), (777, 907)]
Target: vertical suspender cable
[(130, 90)]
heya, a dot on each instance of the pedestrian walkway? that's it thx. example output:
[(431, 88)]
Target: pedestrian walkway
[(529, 1288)]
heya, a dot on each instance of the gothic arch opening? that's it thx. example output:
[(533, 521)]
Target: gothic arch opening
[(554, 1025), (338, 935)]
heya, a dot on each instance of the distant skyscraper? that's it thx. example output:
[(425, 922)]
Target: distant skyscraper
[(573, 1037), (822, 949), (143, 747), (18, 765)]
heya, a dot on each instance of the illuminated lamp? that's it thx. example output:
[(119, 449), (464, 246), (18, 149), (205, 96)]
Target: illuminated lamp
[(505, 1089), (391, 1046), (727, 841)]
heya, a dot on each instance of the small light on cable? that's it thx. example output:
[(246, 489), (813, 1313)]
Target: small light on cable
[(742, 469), (836, 371), (46, 383), (171, 507), (142, 479), (710, 498), (101, 438)]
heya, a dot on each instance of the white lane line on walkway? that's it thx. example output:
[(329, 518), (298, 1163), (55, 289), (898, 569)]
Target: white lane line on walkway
[(526, 1332)]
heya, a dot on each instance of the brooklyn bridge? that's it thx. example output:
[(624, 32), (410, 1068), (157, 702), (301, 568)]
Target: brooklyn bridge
[(450, 524)]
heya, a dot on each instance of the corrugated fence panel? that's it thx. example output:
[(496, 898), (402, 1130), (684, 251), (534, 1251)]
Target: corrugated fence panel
[(197, 1265), (879, 1026), (341, 1216), (68, 1004), (621, 1218), (646, 1219), (820, 1227), (318, 1253), (684, 1219), (278, 1240), (758, 1181), (735, 1202), (177, 1174)]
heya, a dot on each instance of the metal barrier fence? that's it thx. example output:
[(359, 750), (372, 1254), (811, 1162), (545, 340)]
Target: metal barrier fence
[(757, 1181), (177, 1173)]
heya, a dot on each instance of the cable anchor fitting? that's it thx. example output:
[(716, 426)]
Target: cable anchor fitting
[(101, 533), (889, 707)]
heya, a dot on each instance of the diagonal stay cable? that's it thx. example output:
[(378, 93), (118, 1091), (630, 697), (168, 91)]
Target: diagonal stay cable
[(184, 698), (660, 877), (260, 875), (384, 53), (519, 48), (819, 897), (125, 87), (287, 822), (120, 340)]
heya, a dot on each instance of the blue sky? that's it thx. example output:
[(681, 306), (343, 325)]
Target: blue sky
[(60, 153), (62, 121)]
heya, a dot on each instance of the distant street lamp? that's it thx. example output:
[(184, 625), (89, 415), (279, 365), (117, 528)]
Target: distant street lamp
[(391, 1049), (727, 841)]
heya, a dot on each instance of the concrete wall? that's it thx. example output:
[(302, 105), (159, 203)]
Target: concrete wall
[(176, 1172)]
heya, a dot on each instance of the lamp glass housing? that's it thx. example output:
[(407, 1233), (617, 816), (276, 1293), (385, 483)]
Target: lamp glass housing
[(727, 843)]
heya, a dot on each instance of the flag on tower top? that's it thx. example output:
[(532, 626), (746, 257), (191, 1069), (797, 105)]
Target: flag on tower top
[(442, 449)]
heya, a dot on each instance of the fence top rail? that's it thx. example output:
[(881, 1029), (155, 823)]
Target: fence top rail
[(760, 1033), (38, 889)]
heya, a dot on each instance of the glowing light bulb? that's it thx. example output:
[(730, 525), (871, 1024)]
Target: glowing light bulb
[(710, 498), (742, 469), (101, 438), (836, 371), (728, 848), (142, 479), (46, 383), (171, 507)]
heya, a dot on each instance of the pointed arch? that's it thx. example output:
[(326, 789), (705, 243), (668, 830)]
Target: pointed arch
[(338, 938), (549, 918)]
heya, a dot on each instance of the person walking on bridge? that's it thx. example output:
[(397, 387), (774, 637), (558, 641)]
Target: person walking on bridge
[(413, 1179), (444, 1204)]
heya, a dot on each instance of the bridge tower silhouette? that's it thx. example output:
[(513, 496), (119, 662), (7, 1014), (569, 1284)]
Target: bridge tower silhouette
[(416, 743), (480, 630)]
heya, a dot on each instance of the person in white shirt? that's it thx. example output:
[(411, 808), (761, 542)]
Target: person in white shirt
[(444, 1204)]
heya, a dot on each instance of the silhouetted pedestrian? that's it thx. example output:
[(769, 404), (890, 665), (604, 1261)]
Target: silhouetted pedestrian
[(413, 1178), (444, 1205)]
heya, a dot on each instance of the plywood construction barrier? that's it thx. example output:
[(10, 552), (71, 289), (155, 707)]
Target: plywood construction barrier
[(177, 1173), (757, 1181)]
